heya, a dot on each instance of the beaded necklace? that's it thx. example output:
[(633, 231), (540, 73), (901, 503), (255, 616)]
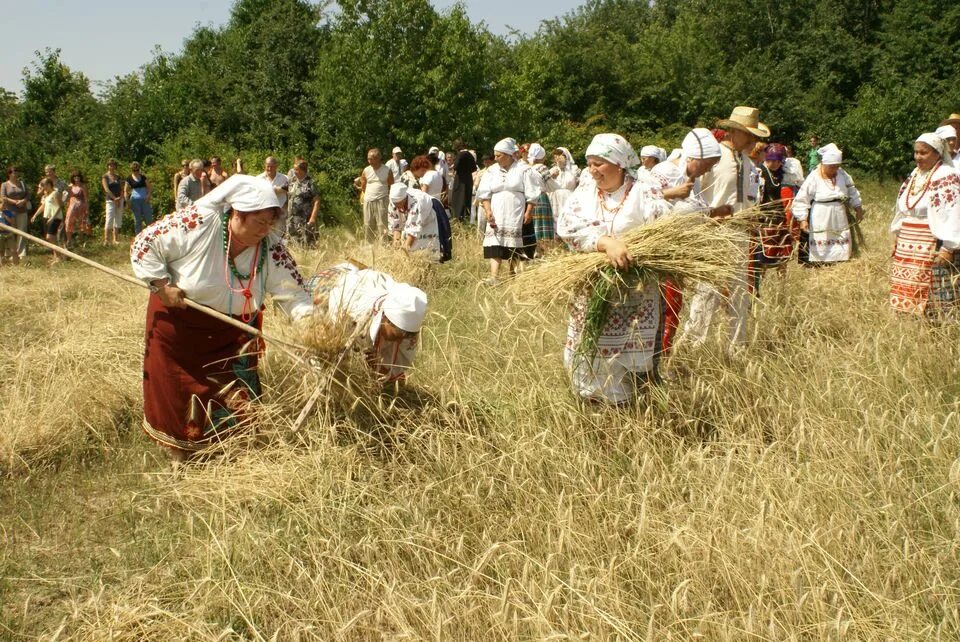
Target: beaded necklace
[(230, 270), (926, 186), (615, 209)]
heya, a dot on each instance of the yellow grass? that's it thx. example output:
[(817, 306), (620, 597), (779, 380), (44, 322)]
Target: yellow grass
[(805, 490)]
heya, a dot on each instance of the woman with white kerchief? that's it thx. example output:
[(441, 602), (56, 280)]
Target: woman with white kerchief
[(927, 225), (820, 208), (651, 156), (592, 221), (507, 193), (413, 221), (544, 227), (199, 374), (565, 175), (679, 179)]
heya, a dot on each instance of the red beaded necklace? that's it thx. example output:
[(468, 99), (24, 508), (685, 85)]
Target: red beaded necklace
[(926, 186), (230, 270)]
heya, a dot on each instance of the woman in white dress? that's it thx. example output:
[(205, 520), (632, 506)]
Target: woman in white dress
[(593, 219), (820, 209), (927, 225), (565, 175), (507, 193)]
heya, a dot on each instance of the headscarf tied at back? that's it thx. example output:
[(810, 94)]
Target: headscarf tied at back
[(699, 144), (654, 152), (507, 146), (939, 145), (241, 192), (830, 154), (535, 153), (615, 149)]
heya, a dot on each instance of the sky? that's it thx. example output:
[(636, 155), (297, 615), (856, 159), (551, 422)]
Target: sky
[(108, 39)]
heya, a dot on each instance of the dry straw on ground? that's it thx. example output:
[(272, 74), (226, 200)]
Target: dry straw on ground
[(807, 489)]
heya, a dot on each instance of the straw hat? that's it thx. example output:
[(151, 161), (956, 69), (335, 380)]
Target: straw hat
[(953, 119), (745, 119)]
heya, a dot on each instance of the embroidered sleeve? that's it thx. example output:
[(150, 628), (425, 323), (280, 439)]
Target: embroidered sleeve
[(944, 209), (578, 226), (394, 219), (285, 283), (164, 241)]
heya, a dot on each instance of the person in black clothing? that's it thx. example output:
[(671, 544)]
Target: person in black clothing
[(464, 166)]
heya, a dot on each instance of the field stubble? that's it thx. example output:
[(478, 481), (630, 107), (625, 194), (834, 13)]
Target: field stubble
[(807, 489)]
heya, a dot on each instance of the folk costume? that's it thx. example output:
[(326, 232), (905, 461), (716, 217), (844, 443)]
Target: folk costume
[(419, 221), (509, 191), (544, 228), (363, 298), (199, 373), (697, 144), (629, 343), (927, 220), (565, 180), (824, 204), (775, 242)]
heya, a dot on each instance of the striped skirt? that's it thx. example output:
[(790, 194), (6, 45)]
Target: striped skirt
[(917, 286)]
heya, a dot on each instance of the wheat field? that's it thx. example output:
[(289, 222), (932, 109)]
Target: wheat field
[(807, 489)]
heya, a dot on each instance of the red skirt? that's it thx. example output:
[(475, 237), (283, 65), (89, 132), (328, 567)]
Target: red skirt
[(917, 286), (199, 375)]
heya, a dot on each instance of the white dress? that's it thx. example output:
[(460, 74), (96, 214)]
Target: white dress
[(566, 181), (630, 340), (186, 247), (820, 202), (509, 191)]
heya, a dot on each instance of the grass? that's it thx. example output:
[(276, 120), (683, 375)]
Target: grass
[(807, 489)]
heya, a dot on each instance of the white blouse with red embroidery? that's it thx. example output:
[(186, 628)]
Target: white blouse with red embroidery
[(186, 247)]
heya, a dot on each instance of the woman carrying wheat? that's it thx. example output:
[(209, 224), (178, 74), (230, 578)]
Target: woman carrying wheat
[(624, 353)]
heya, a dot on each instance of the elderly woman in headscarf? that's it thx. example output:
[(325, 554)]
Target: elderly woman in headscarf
[(413, 221), (679, 179), (651, 156), (592, 221), (199, 373), (507, 193), (383, 316), (565, 175), (544, 228), (820, 209), (927, 225)]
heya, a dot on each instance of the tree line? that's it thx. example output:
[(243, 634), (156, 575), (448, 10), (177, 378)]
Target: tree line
[(328, 80)]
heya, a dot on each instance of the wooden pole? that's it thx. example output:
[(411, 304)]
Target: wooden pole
[(135, 281)]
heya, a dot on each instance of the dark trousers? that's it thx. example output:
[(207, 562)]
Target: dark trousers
[(460, 199)]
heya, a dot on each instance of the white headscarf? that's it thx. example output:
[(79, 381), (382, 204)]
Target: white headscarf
[(535, 153), (700, 143), (653, 151), (406, 307), (241, 192), (830, 154), (939, 145), (398, 192), (369, 294), (507, 146), (946, 131), (566, 154), (614, 149)]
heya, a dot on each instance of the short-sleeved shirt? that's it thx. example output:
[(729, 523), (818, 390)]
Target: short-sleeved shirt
[(138, 187), (16, 193), (280, 180), (113, 184)]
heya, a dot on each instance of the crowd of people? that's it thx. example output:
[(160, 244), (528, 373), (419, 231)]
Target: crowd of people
[(226, 247)]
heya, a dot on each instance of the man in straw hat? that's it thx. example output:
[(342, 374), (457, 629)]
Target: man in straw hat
[(729, 188)]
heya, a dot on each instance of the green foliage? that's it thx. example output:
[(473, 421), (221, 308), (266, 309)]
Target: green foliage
[(289, 77)]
